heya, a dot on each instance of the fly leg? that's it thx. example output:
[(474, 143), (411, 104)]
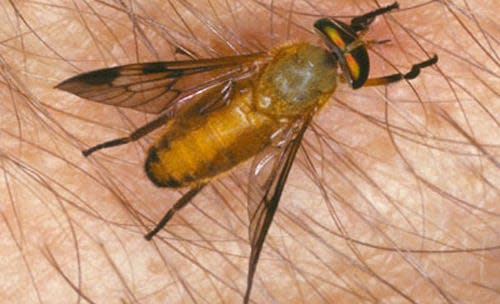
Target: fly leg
[(181, 203), (361, 23), (413, 73), (142, 131)]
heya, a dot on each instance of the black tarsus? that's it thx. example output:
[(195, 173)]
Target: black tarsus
[(361, 23), (412, 74), (181, 203), (415, 69), (142, 131)]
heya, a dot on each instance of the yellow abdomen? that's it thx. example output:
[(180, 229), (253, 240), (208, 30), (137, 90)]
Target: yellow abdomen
[(195, 148)]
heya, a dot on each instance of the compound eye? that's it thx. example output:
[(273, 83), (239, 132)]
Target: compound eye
[(354, 63)]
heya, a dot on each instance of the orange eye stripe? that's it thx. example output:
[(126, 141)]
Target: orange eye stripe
[(353, 66), (333, 34)]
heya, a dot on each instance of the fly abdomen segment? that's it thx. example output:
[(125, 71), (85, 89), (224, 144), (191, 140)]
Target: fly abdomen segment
[(196, 149)]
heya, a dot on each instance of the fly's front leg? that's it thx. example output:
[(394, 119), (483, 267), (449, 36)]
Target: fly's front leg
[(413, 73), (361, 23), (181, 203)]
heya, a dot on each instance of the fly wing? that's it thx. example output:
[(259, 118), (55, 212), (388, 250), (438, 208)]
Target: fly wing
[(154, 87), (268, 176)]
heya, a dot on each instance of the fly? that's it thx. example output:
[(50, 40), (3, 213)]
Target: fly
[(257, 105)]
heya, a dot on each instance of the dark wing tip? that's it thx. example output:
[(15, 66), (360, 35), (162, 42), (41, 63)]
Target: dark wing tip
[(94, 78)]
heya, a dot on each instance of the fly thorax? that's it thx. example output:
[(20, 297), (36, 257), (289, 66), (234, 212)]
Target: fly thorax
[(300, 78)]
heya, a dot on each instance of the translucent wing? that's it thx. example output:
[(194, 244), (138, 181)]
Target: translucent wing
[(268, 176), (153, 87)]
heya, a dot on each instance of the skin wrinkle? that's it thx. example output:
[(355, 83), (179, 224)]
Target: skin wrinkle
[(408, 167)]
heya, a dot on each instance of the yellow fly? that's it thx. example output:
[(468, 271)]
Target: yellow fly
[(257, 105)]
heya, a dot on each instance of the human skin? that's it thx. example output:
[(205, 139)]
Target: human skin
[(393, 199)]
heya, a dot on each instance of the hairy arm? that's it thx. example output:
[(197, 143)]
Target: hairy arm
[(393, 198)]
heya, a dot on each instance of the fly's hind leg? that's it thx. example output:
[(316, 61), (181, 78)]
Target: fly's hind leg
[(181, 203), (142, 131), (413, 73)]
